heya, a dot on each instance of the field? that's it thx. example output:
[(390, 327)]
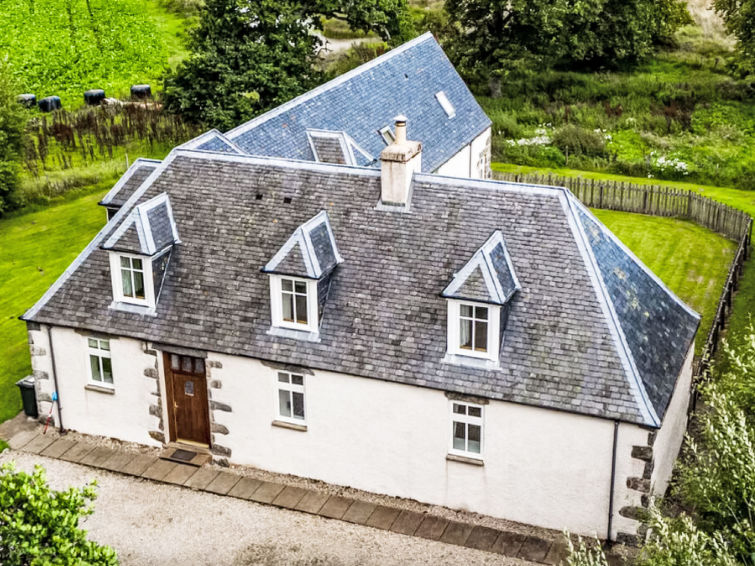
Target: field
[(65, 48), (38, 246)]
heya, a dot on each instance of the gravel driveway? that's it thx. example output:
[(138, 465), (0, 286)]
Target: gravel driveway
[(151, 523)]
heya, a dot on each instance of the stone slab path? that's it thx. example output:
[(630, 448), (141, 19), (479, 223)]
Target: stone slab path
[(228, 483)]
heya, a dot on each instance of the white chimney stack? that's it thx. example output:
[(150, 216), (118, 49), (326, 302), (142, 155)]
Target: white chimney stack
[(399, 161)]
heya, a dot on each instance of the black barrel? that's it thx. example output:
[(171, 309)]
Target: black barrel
[(140, 92), (29, 100), (29, 398), (50, 103), (94, 97)]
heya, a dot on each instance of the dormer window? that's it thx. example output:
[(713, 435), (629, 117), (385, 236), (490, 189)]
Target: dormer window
[(300, 278), (132, 278), (478, 303), (140, 249)]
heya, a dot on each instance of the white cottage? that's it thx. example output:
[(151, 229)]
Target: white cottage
[(475, 344)]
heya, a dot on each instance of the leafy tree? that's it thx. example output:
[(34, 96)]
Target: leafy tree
[(251, 55), (739, 18), (39, 526), (12, 122), (497, 37)]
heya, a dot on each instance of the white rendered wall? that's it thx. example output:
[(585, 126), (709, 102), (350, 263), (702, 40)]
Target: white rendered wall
[(465, 162), (123, 414), (671, 434), (542, 467)]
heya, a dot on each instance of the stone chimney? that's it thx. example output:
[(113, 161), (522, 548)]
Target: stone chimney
[(399, 161)]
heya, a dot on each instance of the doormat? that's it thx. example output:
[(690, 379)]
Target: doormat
[(183, 455)]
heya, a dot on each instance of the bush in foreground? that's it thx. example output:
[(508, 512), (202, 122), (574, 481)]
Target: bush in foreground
[(39, 526)]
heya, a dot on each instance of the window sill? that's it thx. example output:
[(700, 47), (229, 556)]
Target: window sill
[(100, 388), (471, 362), (465, 460), (295, 334), (292, 426), (142, 309)]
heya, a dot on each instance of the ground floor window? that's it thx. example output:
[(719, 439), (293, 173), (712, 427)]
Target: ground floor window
[(100, 367), (291, 397), (466, 429)]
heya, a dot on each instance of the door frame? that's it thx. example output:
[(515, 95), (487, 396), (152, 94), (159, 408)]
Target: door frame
[(168, 377)]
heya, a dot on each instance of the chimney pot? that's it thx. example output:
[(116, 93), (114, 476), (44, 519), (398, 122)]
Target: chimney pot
[(399, 161)]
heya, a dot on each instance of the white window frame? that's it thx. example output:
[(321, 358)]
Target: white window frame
[(117, 282), (276, 304), (387, 134), (494, 324), (448, 108), (100, 353), (467, 419), (291, 388)]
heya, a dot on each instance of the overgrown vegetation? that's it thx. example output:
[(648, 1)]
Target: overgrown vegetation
[(65, 48), (11, 135), (681, 115), (40, 526)]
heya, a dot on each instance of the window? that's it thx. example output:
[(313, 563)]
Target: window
[(132, 277), (291, 397), (473, 328), (294, 303), (445, 104), (101, 369), (473, 331), (294, 300), (466, 429), (387, 135)]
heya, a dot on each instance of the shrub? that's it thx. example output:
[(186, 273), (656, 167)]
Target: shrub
[(584, 554), (12, 119), (39, 526), (575, 140)]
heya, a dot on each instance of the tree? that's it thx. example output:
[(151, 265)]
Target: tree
[(739, 18), (496, 37), (12, 122), (251, 55), (39, 526)]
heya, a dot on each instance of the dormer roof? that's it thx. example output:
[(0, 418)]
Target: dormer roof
[(488, 276), (213, 140), (310, 252), (337, 147), (148, 229), (129, 182)]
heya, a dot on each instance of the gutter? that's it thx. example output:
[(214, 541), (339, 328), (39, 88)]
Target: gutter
[(613, 480), (55, 379)]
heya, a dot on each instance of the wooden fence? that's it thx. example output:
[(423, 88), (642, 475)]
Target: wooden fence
[(645, 199), (667, 201)]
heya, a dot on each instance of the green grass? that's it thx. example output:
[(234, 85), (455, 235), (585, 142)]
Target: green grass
[(39, 245), (690, 259), (36, 249), (60, 48)]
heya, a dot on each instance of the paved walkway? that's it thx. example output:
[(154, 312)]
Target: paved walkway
[(228, 483)]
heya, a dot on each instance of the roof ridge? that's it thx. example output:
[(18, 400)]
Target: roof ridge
[(634, 379), (242, 128), (123, 212)]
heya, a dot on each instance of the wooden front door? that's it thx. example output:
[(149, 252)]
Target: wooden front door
[(186, 386)]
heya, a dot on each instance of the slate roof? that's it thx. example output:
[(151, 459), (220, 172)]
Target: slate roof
[(129, 182), (574, 340), (213, 140), (405, 81)]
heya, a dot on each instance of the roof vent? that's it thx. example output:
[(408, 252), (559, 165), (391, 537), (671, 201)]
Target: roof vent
[(399, 161), (445, 104)]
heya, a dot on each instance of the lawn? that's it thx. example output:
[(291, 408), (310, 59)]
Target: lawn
[(38, 246), (67, 48)]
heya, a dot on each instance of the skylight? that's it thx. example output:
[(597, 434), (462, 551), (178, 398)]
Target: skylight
[(387, 135), (445, 104)]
